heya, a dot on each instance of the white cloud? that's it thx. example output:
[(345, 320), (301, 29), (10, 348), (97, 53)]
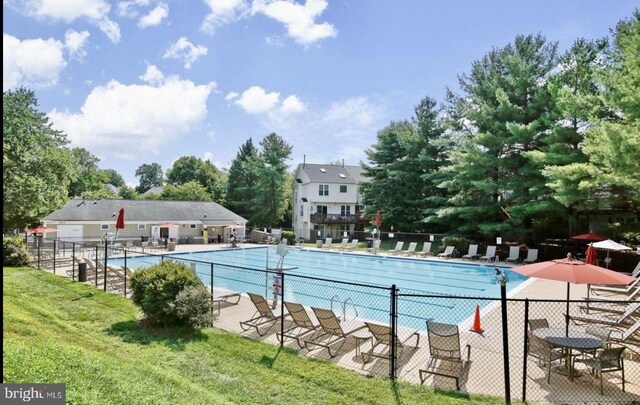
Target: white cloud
[(129, 8), (152, 75), (207, 156), (155, 16), (274, 40), (32, 62), (231, 95), (223, 12), (292, 104), (358, 109), (96, 11), (74, 41), (256, 100), (132, 120), (298, 19), (185, 50)]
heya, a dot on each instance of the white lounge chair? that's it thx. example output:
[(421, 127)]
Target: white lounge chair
[(514, 254), (426, 250), (352, 246), (411, 250), (532, 256), (490, 255), (620, 289), (472, 254), (327, 243), (397, 249), (448, 252), (343, 244), (376, 247)]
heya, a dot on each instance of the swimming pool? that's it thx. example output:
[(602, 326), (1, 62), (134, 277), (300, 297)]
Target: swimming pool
[(427, 277)]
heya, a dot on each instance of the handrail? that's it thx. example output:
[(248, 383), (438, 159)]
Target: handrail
[(344, 308), (332, 298)]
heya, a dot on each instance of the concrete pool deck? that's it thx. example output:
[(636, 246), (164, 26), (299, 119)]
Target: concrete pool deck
[(485, 372)]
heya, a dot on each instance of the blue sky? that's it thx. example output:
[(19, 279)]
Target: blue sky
[(143, 81)]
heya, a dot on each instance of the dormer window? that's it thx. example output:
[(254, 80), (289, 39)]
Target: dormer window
[(323, 170), (299, 181), (342, 176)]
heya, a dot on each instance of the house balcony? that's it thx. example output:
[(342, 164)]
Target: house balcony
[(337, 219)]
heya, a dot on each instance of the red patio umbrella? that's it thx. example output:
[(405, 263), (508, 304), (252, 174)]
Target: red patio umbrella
[(592, 256), (378, 220), (119, 223), (40, 229), (589, 236), (233, 227), (573, 271)]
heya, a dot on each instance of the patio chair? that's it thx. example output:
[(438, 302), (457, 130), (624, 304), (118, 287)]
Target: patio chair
[(472, 253), (303, 325), (544, 352), (264, 314), (232, 298), (596, 304), (624, 336), (376, 246), (606, 361), (635, 272), (612, 319), (538, 324), (397, 249), (411, 250), (490, 254), (343, 244), (352, 246), (445, 356), (332, 330), (426, 250), (382, 337), (622, 289), (327, 243), (532, 256), (448, 252), (514, 254)]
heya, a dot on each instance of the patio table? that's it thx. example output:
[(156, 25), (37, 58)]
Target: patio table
[(577, 339)]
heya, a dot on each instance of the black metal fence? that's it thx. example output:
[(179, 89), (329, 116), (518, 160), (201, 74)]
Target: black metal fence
[(422, 338)]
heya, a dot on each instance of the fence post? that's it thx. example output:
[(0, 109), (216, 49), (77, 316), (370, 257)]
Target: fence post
[(211, 280), (38, 254), (97, 261), (282, 308), (125, 273), (526, 343), (394, 321), (106, 254), (54, 257), (73, 261), (505, 338)]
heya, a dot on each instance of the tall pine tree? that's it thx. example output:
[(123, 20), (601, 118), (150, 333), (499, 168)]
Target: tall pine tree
[(243, 179)]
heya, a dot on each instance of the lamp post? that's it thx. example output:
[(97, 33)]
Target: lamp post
[(502, 280)]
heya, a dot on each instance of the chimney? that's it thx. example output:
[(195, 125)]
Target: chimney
[(342, 162), (304, 160)]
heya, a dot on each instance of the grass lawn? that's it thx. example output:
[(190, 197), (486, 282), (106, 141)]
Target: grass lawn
[(59, 331)]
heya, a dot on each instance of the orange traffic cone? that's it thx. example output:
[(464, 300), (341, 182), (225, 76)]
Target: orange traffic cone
[(476, 323)]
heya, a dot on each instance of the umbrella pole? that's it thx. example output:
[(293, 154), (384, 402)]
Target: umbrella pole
[(567, 314), (588, 291)]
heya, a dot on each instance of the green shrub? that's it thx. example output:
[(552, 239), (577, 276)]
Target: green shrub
[(156, 288), (290, 236), (14, 252), (193, 305), (462, 244)]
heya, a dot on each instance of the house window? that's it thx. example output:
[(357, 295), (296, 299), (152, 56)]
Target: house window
[(193, 226), (343, 189), (301, 210), (104, 227), (323, 189), (359, 208), (142, 227), (322, 209), (345, 210), (345, 228)]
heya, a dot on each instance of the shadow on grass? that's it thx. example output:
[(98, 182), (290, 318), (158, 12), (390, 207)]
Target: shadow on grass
[(143, 334), (452, 394), (270, 361)]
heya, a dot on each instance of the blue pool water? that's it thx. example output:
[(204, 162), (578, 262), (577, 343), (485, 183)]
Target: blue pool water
[(409, 275)]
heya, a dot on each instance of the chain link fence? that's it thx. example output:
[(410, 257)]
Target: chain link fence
[(446, 342)]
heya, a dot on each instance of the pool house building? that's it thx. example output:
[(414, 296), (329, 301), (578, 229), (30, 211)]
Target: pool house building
[(327, 201)]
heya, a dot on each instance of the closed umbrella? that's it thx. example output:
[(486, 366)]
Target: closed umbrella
[(378, 222), (119, 223), (573, 271), (610, 245), (591, 256)]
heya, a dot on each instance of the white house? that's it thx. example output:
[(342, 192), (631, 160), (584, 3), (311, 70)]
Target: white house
[(82, 220), (327, 201)]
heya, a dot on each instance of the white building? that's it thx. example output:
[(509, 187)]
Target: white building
[(327, 201)]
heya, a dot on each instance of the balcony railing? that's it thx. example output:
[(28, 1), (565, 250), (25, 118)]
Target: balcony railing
[(337, 218)]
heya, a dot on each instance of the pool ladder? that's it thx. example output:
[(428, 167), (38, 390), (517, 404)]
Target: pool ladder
[(336, 298)]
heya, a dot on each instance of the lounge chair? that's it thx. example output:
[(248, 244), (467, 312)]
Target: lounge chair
[(490, 255), (448, 252), (376, 247), (597, 304), (629, 335), (232, 298), (332, 330), (303, 325), (397, 249), (621, 289), (352, 246), (382, 337), (426, 250), (411, 250), (514, 254), (472, 254), (343, 244), (635, 272), (532, 256), (544, 352), (538, 324), (612, 319), (606, 361), (445, 356), (264, 314), (327, 243)]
